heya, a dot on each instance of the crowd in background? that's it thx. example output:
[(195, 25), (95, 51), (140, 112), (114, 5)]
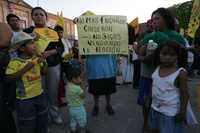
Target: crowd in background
[(37, 79)]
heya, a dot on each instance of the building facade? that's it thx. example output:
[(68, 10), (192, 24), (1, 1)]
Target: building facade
[(23, 10)]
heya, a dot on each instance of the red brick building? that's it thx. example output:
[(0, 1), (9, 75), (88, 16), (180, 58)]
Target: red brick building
[(23, 10)]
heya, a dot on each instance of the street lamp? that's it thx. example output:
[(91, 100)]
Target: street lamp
[(38, 2)]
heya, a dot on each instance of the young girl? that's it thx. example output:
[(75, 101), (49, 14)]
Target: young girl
[(75, 96), (169, 91), (25, 70)]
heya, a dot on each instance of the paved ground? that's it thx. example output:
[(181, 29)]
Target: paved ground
[(128, 117)]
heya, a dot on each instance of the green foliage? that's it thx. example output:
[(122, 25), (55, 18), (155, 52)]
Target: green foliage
[(182, 12)]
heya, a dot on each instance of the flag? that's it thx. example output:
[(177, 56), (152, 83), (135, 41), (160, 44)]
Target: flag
[(60, 20), (135, 24), (88, 13), (194, 19), (45, 36)]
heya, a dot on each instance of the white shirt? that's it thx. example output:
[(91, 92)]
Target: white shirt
[(165, 95), (67, 46), (134, 56)]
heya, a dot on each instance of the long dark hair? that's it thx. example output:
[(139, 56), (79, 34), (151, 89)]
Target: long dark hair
[(167, 16), (180, 51)]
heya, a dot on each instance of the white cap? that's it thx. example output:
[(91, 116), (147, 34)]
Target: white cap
[(20, 38)]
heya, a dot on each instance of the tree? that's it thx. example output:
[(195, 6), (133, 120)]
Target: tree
[(182, 12)]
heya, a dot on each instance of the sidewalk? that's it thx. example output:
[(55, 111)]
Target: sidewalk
[(128, 115)]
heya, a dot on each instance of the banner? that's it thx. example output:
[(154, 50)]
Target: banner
[(60, 20), (45, 36), (194, 19), (101, 34), (135, 24)]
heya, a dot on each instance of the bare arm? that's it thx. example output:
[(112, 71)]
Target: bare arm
[(184, 96), (49, 53), (21, 72)]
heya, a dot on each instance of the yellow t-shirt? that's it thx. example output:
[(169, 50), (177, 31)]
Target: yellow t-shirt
[(31, 80)]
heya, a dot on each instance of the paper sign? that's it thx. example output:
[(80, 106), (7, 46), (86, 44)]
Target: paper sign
[(102, 35)]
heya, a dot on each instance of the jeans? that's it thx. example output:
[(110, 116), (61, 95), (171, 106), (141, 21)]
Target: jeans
[(50, 85), (32, 114), (165, 124)]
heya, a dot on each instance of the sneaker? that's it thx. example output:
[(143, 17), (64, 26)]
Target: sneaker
[(95, 111), (110, 110)]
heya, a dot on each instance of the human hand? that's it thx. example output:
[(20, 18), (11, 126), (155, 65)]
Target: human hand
[(29, 65), (46, 54), (180, 117), (38, 60), (135, 46), (41, 59), (142, 50)]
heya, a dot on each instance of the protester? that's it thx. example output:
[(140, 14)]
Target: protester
[(163, 23), (66, 55), (136, 66), (101, 75), (75, 50), (14, 22), (101, 72), (7, 95), (169, 90), (25, 70), (52, 51), (75, 94)]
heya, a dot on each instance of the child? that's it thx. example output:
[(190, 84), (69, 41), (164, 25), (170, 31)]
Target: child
[(169, 91), (31, 105), (75, 96)]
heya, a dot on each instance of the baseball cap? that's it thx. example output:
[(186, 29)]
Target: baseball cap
[(21, 38)]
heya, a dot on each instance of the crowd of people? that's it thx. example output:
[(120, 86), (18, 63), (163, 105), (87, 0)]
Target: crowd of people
[(39, 67)]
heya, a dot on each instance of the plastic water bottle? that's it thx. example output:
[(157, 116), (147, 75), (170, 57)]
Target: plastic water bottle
[(151, 47)]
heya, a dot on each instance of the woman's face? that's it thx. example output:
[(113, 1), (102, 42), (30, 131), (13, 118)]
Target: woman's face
[(158, 22), (39, 18)]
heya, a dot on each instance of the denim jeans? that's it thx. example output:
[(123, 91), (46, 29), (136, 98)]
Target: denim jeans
[(165, 124), (32, 114), (50, 85)]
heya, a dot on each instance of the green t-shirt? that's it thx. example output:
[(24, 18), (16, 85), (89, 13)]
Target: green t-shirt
[(73, 93), (160, 37)]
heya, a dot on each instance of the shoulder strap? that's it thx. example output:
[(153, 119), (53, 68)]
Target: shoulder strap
[(155, 73), (176, 82)]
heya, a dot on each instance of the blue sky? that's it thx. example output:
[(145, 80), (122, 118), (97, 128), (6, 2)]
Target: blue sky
[(129, 8)]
